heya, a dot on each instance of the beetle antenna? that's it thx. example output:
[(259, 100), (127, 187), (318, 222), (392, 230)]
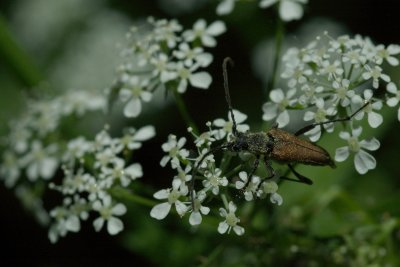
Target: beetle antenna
[(191, 188), (312, 126), (226, 87)]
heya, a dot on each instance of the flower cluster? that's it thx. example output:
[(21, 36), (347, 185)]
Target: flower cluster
[(218, 179), (335, 79), (32, 150), (164, 56), (92, 169), (288, 9), (36, 148)]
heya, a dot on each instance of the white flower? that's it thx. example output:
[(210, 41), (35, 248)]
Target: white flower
[(319, 116), (133, 138), (10, 168), (214, 181), (225, 7), (186, 75), (271, 187), (104, 157), (297, 74), (227, 125), (195, 217), (343, 94), (163, 68), (175, 151), (160, 211), (165, 31), (277, 108), (393, 101), (206, 160), (39, 161), (134, 92), (204, 33), (251, 187), (288, 9), (181, 178), (310, 93), (190, 56), (206, 138), (230, 221), (333, 70), (387, 54), (363, 161), (119, 172), (374, 119), (107, 212), (376, 74), (76, 148)]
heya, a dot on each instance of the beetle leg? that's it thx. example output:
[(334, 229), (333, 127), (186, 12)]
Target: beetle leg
[(312, 126), (255, 166), (300, 178), (270, 170)]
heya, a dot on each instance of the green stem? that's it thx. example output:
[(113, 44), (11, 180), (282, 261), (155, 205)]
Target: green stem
[(279, 33), (21, 63), (213, 256), (123, 193), (184, 112)]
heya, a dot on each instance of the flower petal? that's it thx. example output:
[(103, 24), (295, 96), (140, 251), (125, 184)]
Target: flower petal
[(372, 144), (200, 80), (223, 227), (119, 209), (342, 153), (363, 162), (289, 10), (133, 108), (283, 119), (195, 218), (216, 28), (98, 224), (114, 226), (160, 211)]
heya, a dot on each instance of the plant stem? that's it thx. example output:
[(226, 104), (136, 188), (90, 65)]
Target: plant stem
[(279, 33), (123, 193), (17, 58), (184, 112)]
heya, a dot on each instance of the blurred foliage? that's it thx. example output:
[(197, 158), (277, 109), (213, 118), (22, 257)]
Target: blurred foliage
[(344, 219)]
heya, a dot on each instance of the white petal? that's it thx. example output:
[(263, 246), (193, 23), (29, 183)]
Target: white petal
[(225, 7), (357, 131), (48, 167), (161, 194), (364, 161), (391, 88), (393, 61), (393, 101), (145, 133), (308, 116), (134, 171), (222, 227), (146, 96), (204, 210), (239, 116), (125, 94), (114, 226), (73, 224), (33, 171), (182, 86), (276, 95), (276, 199), (267, 3), (98, 224), (216, 28), (372, 144), (393, 49), (160, 211), (283, 119), (239, 230), (200, 80), (219, 122), (342, 153), (180, 208), (374, 119), (208, 40), (270, 111), (231, 207), (195, 218), (289, 10), (133, 108), (119, 209)]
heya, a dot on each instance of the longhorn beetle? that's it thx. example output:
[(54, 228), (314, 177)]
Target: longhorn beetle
[(275, 144)]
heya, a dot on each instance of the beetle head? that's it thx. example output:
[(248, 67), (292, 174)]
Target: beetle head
[(238, 143)]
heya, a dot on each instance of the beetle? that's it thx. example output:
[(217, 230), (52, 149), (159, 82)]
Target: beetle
[(274, 144)]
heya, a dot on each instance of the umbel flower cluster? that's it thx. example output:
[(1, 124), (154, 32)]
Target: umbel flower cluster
[(92, 169), (215, 178), (332, 78), (161, 55), (36, 150)]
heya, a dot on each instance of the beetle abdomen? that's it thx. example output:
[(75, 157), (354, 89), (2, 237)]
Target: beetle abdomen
[(289, 148)]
